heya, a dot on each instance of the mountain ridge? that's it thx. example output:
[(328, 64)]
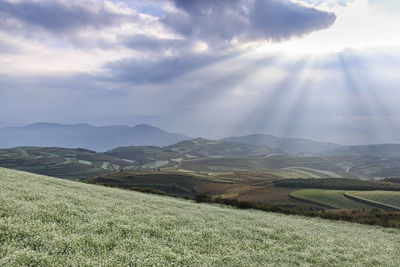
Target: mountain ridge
[(98, 138)]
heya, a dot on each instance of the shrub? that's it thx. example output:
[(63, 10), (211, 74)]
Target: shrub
[(202, 197)]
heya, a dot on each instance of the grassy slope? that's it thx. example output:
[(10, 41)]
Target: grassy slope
[(382, 197), (47, 221), (332, 198)]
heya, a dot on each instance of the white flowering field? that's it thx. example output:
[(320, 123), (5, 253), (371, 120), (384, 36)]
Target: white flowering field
[(46, 221)]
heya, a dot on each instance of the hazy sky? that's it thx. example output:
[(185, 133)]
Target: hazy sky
[(323, 69)]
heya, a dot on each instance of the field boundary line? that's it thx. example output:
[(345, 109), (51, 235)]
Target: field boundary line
[(311, 202), (370, 202)]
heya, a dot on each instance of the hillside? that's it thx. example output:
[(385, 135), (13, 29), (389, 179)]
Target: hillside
[(204, 148), (287, 145), (86, 136), (198, 155), (61, 162), (311, 166), (174, 155), (47, 221)]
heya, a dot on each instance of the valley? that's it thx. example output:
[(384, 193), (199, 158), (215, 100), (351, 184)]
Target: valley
[(224, 171)]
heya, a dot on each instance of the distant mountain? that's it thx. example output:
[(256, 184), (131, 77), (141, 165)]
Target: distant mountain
[(86, 136), (287, 145), (378, 150)]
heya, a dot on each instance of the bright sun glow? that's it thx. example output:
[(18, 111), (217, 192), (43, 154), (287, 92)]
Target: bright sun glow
[(358, 25)]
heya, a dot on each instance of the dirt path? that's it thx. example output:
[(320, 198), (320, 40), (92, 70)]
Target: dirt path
[(348, 169)]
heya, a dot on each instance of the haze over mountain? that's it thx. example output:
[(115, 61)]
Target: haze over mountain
[(86, 136), (376, 150)]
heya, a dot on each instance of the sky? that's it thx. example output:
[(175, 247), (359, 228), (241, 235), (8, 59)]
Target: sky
[(319, 69)]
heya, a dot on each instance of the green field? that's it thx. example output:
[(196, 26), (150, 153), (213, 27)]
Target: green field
[(331, 198), (46, 222), (381, 197)]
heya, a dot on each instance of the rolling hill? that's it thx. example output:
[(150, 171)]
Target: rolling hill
[(310, 166), (46, 221), (287, 145), (86, 136), (189, 149), (61, 162), (203, 148)]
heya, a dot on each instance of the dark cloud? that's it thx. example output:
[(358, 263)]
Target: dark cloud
[(245, 20), (215, 22), (58, 17)]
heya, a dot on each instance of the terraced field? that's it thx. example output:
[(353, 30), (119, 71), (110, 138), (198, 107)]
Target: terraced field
[(367, 167), (389, 198), (331, 198), (288, 166), (61, 162), (54, 222)]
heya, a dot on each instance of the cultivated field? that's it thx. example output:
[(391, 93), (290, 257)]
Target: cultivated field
[(47, 221), (254, 186), (331, 198), (381, 197), (60, 162)]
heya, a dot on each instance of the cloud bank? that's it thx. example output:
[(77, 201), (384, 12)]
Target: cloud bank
[(212, 22), (208, 68), (235, 21)]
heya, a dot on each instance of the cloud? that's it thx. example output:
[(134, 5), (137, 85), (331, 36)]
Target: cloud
[(228, 21), (328, 2), (149, 43), (60, 17), (189, 26), (212, 23), (386, 6), (7, 48), (159, 70), (86, 23), (184, 59)]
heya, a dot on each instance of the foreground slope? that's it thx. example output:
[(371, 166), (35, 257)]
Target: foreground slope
[(47, 221)]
